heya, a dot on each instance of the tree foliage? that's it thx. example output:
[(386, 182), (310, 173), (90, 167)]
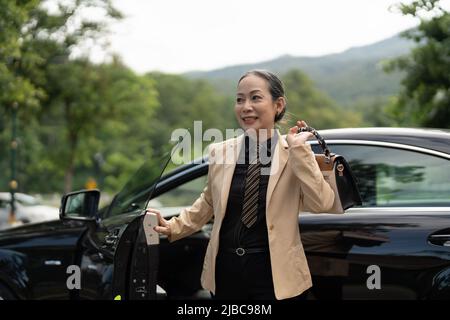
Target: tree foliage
[(94, 109), (183, 101), (14, 86), (306, 102), (425, 96)]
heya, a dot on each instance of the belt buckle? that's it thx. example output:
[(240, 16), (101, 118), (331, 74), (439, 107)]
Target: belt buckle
[(240, 251)]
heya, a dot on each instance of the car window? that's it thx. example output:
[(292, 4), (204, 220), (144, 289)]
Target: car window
[(182, 196), (389, 177), (137, 190)]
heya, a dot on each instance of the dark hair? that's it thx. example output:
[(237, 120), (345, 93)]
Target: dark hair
[(276, 87)]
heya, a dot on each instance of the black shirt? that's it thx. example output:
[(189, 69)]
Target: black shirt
[(233, 233)]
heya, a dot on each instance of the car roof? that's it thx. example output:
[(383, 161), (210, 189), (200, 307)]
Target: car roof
[(434, 139)]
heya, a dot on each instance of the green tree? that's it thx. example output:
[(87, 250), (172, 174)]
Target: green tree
[(374, 111), (92, 111), (425, 96), (306, 102), (35, 34), (127, 132), (37, 39), (183, 101), (14, 87)]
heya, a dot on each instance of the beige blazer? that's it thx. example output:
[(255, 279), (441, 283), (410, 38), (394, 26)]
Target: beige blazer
[(295, 185)]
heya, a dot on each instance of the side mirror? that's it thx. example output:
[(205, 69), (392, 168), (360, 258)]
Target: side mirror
[(80, 205)]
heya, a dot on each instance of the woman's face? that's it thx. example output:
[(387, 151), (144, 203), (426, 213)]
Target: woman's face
[(255, 108)]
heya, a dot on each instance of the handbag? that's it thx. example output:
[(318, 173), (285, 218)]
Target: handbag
[(338, 174)]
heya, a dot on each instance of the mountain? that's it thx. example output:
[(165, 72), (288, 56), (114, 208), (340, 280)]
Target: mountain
[(346, 77)]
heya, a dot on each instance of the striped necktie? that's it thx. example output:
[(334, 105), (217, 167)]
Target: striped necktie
[(251, 194)]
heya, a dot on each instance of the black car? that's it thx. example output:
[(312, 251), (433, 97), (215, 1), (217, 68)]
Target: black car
[(395, 246)]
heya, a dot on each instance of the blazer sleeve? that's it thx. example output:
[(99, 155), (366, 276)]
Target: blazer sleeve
[(317, 195), (194, 218)]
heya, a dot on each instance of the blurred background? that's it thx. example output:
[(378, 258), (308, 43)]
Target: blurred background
[(91, 89)]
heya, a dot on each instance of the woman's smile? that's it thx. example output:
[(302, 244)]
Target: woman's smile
[(249, 120)]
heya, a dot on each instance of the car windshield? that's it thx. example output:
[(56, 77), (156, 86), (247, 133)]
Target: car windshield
[(137, 190)]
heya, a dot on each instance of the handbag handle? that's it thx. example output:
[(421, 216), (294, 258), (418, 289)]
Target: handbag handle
[(319, 138)]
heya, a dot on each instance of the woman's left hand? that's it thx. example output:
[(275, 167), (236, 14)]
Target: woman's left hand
[(296, 139)]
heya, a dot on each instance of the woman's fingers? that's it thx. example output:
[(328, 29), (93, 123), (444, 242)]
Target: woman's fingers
[(163, 227), (161, 220), (162, 230), (293, 130), (301, 123), (294, 137)]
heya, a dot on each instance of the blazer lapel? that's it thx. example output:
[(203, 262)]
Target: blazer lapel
[(230, 158), (279, 161)]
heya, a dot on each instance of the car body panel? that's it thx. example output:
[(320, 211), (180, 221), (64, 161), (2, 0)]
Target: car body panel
[(342, 248), (42, 252)]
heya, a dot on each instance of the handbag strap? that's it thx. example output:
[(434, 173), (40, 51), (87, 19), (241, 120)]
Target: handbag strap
[(319, 138)]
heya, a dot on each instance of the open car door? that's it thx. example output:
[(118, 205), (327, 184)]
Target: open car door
[(136, 260)]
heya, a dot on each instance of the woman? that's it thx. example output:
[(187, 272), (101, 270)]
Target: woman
[(255, 251)]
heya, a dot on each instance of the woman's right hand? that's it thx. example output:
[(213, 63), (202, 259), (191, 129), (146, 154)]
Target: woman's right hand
[(164, 227)]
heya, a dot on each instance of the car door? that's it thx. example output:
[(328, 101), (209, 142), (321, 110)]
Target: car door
[(136, 260), (181, 262), (120, 255), (35, 258), (396, 245), (97, 259), (115, 259)]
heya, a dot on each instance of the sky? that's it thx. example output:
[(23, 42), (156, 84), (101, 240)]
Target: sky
[(176, 36)]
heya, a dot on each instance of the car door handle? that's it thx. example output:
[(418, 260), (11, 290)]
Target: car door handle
[(440, 239)]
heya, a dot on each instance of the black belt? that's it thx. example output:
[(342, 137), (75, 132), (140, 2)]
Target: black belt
[(243, 251)]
